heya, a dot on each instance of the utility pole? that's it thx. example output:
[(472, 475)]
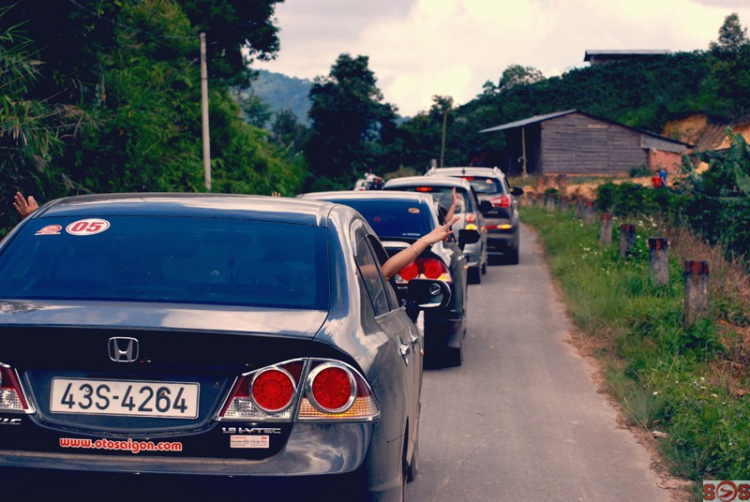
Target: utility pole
[(523, 146), (442, 146), (204, 110)]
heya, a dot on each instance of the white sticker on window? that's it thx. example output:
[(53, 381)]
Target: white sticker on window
[(50, 230), (89, 226)]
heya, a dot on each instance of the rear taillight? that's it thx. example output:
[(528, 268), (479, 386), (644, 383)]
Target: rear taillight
[(409, 272), (331, 388), (334, 391), (12, 397), (471, 217), (501, 201), (264, 394), (273, 390), (424, 268)]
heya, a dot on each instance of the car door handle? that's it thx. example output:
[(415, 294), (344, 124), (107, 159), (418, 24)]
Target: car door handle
[(405, 351), (413, 336)]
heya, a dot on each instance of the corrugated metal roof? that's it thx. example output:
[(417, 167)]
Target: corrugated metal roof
[(530, 120), (549, 116), (645, 52)]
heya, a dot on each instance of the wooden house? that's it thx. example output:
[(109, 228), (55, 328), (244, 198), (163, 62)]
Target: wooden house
[(576, 142)]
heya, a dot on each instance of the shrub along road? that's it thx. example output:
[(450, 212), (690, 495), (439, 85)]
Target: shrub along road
[(522, 419)]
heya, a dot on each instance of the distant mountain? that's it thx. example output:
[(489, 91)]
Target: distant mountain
[(279, 91)]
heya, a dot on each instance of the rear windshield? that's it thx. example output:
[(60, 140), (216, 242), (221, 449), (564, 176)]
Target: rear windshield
[(485, 185), (175, 260), (395, 219), (443, 195)]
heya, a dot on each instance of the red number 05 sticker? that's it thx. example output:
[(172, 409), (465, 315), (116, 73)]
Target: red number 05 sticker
[(89, 226)]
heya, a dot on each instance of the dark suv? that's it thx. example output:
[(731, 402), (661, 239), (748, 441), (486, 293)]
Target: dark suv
[(399, 219), (498, 205)]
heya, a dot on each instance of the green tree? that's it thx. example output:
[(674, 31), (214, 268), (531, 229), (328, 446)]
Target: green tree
[(350, 123), (31, 130), (237, 31), (732, 36), (516, 74)]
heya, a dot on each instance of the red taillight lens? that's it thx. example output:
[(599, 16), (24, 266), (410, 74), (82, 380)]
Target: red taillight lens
[(424, 268), (471, 217), (502, 201), (432, 269), (424, 189), (333, 389), (264, 394), (273, 390), (11, 395), (409, 272)]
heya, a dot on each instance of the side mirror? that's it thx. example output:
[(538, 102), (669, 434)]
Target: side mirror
[(485, 206), (467, 237), (428, 293), (517, 191)]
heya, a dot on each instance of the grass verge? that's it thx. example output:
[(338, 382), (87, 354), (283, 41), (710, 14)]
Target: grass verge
[(687, 382)]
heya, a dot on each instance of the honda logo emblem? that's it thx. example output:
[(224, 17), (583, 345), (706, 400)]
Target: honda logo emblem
[(123, 349)]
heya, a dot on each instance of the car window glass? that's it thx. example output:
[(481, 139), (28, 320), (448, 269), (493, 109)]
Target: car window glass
[(394, 218), (382, 257), (370, 272), (443, 195), (485, 184), (175, 260)]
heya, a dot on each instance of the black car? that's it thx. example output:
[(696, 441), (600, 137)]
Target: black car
[(208, 334), (470, 217), (399, 219), (498, 205)]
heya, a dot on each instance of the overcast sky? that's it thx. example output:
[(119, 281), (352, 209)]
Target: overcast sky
[(419, 48)]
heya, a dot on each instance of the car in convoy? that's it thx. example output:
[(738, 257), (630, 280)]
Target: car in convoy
[(210, 334), (500, 209), (399, 219), (470, 217)]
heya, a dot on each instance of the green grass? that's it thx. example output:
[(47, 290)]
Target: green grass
[(662, 371)]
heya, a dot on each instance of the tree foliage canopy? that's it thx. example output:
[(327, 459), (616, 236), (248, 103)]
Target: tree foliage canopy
[(104, 96), (350, 123)]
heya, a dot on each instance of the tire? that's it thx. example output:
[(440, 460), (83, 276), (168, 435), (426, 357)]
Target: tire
[(454, 357), (512, 257), (413, 471), (474, 275)]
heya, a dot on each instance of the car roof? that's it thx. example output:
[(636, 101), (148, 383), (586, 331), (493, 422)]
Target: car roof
[(253, 207), (468, 171), (369, 195), (428, 181)]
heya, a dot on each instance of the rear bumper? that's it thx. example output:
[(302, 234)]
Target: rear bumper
[(501, 242), (443, 332), (472, 252), (346, 446)]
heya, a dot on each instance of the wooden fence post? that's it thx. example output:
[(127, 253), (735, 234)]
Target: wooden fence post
[(627, 239), (658, 260), (589, 213), (551, 202), (605, 229), (564, 203), (696, 290)]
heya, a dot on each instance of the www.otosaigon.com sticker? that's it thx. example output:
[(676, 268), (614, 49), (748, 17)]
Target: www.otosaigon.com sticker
[(50, 230), (89, 226)]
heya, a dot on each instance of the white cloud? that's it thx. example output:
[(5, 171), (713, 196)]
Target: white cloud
[(420, 48)]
